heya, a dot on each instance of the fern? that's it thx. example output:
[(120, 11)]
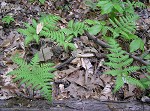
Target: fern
[(124, 26), (74, 28), (95, 26), (41, 1), (8, 19), (30, 32), (50, 30), (135, 4), (146, 81), (110, 6), (118, 6), (120, 65), (129, 6), (36, 75)]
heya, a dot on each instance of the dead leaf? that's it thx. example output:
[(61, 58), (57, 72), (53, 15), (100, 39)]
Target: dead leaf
[(106, 93), (45, 54), (39, 28), (5, 43), (86, 55)]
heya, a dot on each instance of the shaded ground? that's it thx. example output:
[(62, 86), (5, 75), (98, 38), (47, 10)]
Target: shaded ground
[(71, 105)]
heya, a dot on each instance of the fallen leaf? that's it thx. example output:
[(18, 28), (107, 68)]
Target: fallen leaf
[(5, 43), (39, 28)]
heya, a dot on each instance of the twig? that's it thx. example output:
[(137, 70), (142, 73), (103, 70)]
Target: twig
[(105, 45), (64, 63), (99, 42)]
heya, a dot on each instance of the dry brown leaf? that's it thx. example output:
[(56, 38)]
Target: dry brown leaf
[(39, 28), (77, 77), (106, 93), (45, 54), (129, 92), (5, 43)]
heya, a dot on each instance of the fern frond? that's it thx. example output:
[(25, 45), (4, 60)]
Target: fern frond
[(134, 81), (120, 63), (146, 81), (35, 60), (50, 30), (113, 72), (35, 75), (30, 33), (74, 28), (119, 83), (125, 26), (131, 69), (127, 62), (19, 61), (108, 6), (135, 4)]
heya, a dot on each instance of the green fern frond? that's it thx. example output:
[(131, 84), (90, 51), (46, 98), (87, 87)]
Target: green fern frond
[(49, 22), (146, 81), (135, 4), (108, 6), (113, 72), (30, 33), (124, 26), (131, 69), (95, 26), (134, 81), (119, 83), (120, 65), (74, 28), (50, 30), (37, 76)]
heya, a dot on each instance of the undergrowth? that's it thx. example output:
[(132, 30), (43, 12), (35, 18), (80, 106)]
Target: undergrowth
[(120, 23)]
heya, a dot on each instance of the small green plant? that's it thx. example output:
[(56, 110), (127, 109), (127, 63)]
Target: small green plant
[(50, 30), (120, 65), (74, 28), (146, 80), (124, 26), (110, 6), (49, 24), (95, 26), (90, 4), (121, 22), (8, 19), (115, 7), (35, 75), (41, 1)]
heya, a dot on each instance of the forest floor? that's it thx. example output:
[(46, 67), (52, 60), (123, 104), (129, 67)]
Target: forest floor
[(71, 90)]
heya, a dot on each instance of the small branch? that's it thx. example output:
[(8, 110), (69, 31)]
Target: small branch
[(96, 40), (64, 63), (105, 45)]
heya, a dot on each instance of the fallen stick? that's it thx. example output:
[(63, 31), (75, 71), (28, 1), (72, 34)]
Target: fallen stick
[(105, 45)]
